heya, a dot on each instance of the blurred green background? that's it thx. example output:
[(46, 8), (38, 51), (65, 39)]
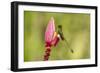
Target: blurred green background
[(76, 29)]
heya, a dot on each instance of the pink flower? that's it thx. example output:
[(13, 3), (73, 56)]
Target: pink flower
[(51, 38)]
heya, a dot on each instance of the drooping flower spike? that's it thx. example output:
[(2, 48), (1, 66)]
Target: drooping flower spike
[(51, 38)]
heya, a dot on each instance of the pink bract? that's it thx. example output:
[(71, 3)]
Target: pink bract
[(50, 30)]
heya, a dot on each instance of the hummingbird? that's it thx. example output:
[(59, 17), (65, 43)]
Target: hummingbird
[(63, 38)]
